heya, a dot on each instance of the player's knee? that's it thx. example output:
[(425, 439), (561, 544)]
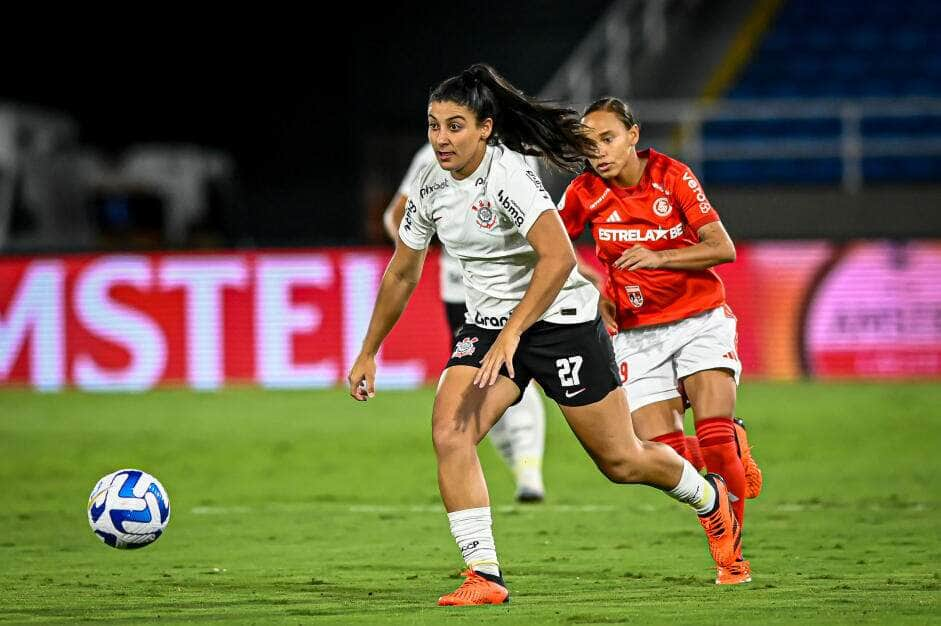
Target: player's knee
[(448, 439), (620, 469)]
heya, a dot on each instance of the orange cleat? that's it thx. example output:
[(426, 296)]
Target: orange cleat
[(477, 588), (752, 472), (735, 574), (722, 529)]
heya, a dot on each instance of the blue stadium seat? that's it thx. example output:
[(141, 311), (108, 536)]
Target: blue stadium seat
[(838, 49), (801, 171)]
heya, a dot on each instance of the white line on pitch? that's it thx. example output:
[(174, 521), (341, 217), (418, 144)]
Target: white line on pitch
[(367, 508), (407, 508)]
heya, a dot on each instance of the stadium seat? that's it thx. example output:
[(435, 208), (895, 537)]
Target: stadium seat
[(838, 50)]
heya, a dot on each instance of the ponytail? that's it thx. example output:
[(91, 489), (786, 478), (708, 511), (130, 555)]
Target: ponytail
[(521, 123)]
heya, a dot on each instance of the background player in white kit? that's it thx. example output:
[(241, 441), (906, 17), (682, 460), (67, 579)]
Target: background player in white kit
[(519, 435), (533, 314)]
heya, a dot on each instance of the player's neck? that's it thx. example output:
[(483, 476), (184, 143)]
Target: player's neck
[(632, 172)]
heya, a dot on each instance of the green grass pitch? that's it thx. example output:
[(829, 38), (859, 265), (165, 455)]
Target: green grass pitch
[(305, 506)]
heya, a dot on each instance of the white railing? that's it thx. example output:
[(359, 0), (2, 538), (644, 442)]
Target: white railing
[(679, 124), (627, 31)]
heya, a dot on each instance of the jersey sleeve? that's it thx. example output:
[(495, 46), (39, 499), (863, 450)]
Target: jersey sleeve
[(572, 212), (692, 200), (416, 228), (523, 198), (533, 163), (423, 157)]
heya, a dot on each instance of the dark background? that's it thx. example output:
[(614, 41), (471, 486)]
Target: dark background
[(294, 100)]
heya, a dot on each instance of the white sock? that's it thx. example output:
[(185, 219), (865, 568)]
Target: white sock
[(694, 490), (520, 437), (471, 529)]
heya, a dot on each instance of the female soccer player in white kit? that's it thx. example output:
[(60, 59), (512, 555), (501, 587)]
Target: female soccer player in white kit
[(532, 316), (520, 435)]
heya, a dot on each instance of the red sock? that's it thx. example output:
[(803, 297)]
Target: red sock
[(695, 454), (677, 441), (720, 451)]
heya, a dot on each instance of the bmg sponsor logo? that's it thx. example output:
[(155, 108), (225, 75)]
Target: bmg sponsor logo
[(512, 209)]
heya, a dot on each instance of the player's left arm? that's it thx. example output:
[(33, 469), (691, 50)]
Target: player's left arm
[(556, 261), (714, 246), (538, 220)]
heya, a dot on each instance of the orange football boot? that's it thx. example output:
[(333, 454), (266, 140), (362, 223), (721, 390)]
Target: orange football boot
[(477, 588), (752, 472), (722, 529), (735, 574)]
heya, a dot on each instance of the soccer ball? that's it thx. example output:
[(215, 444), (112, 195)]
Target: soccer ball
[(128, 509)]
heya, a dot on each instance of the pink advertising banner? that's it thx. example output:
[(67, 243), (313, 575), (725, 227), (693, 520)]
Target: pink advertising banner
[(295, 319)]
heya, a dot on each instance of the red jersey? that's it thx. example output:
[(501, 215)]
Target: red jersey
[(664, 210)]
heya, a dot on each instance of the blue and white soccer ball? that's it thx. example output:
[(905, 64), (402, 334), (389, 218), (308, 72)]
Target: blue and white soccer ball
[(128, 509)]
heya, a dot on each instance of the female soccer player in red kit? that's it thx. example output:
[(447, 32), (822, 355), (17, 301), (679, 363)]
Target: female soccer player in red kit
[(659, 236)]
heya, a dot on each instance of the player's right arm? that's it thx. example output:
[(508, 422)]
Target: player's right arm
[(398, 283)]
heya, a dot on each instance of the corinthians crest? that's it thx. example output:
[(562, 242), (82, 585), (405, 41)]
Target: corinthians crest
[(464, 347), (486, 218), (635, 295)]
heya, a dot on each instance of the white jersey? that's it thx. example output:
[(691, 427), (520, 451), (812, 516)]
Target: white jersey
[(449, 270), (482, 221)]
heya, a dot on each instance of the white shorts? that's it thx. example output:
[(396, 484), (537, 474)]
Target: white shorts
[(653, 360)]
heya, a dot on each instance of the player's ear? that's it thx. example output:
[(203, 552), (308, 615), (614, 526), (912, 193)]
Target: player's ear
[(486, 128)]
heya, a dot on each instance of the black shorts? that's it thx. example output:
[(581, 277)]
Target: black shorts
[(573, 363)]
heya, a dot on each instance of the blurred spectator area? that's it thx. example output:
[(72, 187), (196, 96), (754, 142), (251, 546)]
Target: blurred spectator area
[(845, 48), (57, 194), (802, 118), (868, 81)]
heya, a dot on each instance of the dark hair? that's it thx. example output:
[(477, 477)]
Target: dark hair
[(521, 123), (616, 106)]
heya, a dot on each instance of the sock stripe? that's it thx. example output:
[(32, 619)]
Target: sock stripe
[(675, 440), (715, 430), (724, 422), (715, 441)]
